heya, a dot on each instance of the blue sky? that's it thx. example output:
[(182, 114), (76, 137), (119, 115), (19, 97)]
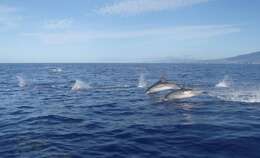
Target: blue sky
[(126, 30)]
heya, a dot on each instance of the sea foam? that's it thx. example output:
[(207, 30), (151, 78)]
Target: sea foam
[(244, 95)]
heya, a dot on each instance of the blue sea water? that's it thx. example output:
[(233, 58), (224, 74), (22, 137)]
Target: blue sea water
[(101, 110)]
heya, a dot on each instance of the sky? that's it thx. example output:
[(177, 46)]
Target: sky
[(126, 30)]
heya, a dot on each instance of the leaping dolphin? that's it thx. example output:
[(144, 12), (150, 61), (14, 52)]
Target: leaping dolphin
[(161, 85), (181, 94)]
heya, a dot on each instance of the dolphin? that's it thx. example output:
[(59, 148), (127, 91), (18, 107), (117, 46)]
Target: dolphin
[(161, 85), (181, 94)]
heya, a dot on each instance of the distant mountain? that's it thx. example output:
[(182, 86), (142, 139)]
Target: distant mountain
[(251, 58)]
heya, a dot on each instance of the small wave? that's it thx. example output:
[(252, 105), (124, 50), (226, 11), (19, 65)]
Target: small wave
[(225, 83), (142, 83), (51, 119), (80, 85), (21, 81)]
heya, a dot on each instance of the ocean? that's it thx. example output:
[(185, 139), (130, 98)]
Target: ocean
[(102, 111)]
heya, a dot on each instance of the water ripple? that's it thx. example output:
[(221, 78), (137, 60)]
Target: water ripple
[(113, 117)]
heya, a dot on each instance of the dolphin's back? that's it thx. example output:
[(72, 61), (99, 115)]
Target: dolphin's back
[(181, 94), (154, 85), (161, 86)]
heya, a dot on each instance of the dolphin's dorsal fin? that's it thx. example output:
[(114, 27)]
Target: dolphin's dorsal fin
[(163, 78)]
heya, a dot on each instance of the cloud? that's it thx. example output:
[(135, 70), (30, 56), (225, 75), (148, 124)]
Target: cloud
[(8, 17), (132, 7), (9, 22), (58, 38), (175, 33), (4, 9), (58, 24)]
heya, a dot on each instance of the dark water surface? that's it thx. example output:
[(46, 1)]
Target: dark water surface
[(110, 116)]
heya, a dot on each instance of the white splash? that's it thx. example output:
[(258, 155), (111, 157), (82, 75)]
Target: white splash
[(142, 83), (225, 83), (56, 70), (80, 85), (239, 95), (21, 81)]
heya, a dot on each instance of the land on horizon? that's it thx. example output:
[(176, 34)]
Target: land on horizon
[(249, 58)]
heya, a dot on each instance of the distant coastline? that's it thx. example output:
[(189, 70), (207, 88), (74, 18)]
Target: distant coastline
[(250, 58)]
